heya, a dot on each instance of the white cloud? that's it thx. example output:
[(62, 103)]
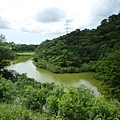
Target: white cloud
[(49, 16), (4, 24)]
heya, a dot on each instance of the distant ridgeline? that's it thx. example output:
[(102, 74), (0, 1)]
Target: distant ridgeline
[(24, 47)]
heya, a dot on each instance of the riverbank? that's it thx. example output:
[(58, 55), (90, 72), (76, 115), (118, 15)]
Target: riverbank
[(21, 58), (23, 64)]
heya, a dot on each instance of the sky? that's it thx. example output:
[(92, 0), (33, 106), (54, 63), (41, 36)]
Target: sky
[(34, 21)]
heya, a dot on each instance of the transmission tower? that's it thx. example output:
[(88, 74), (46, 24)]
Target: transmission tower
[(67, 27)]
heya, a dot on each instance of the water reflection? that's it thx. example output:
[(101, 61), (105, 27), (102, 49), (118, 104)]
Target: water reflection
[(46, 76), (88, 84)]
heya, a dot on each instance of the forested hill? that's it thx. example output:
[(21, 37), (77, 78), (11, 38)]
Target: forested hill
[(79, 50)]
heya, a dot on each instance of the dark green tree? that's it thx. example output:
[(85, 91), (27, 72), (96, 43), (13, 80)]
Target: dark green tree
[(73, 52), (6, 54), (109, 69)]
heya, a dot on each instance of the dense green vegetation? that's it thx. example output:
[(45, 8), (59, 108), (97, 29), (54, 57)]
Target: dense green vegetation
[(96, 50), (23, 47), (108, 70), (24, 98), (19, 48), (6, 53), (81, 49)]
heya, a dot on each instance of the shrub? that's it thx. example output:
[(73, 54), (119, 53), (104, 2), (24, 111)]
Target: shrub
[(6, 87)]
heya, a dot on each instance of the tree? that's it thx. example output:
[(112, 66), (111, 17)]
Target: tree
[(109, 69), (6, 87), (112, 18), (52, 100), (103, 22), (34, 98), (6, 54), (75, 104), (2, 38), (81, 104)]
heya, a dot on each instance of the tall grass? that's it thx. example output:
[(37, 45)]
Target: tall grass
[(22, 59), (25, 53)]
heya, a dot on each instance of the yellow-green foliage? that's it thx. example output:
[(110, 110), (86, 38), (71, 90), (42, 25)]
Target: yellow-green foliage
[(18, 112), (22, 59), (26, 53)]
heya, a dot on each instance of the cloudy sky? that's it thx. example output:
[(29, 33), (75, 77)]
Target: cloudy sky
[(33, 21)]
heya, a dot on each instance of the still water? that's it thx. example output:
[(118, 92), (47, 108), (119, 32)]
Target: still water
[(42, 75)]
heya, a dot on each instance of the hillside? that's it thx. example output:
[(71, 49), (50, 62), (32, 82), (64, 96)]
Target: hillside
[(96, 50), (79, 50)]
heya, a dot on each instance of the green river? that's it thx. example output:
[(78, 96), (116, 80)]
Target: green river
[(74, 79)]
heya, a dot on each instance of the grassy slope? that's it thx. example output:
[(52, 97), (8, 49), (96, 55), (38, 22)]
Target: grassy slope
[(26, 53)]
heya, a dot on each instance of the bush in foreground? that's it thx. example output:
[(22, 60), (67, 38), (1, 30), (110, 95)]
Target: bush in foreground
[(53, 102)]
